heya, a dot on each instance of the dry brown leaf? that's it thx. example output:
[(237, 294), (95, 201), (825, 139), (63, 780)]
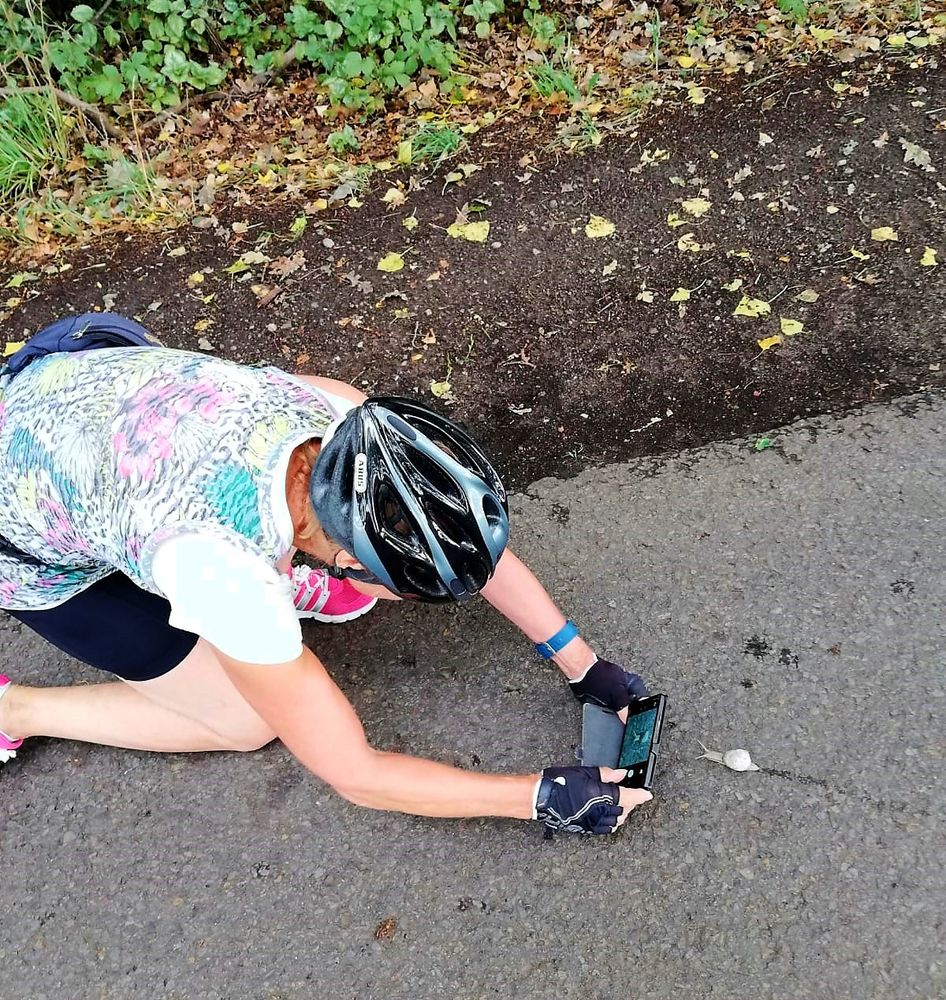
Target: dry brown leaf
[(284, 266)]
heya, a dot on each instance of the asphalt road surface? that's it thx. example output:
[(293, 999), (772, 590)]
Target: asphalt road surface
[(789, 601)]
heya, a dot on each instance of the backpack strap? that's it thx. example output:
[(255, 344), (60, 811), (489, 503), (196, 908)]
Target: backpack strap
[(87, 332)]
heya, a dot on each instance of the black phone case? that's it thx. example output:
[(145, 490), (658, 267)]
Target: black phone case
[(602, 733), (602, 736)]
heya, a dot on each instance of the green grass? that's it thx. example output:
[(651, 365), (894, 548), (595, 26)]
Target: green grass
[(434, 143), (34, 143), (549, 79)]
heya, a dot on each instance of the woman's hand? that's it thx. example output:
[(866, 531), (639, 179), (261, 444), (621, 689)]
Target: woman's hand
[(610, 686), (586, 799)]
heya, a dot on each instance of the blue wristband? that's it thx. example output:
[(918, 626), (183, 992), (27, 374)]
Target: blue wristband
[(558, 641)]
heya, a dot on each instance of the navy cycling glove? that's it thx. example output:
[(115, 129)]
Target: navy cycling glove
[(608, 685), (577, 800)]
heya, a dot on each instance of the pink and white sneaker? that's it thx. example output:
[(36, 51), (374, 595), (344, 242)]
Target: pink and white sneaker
[(8, 747), (326, 598)]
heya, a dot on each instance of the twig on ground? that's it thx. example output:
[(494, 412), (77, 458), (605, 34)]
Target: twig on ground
[(190, 102), (269, 296)]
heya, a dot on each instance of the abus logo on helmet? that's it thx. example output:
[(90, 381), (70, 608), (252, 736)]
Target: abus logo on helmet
[(361, 472)]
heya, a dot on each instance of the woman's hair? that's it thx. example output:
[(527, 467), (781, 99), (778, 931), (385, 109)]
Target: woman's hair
[(308, 529)]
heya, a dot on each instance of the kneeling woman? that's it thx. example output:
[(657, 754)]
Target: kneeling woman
[(150, 503)]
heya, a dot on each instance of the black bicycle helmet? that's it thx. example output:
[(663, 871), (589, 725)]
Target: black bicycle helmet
[(413, 497)]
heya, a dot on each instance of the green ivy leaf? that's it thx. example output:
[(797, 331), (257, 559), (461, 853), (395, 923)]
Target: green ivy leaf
[(175, 26), (88, 36), (352, 64), (176, 64), (333, 30), (83, 13), (159, 6), (797, 10), (109, 84)]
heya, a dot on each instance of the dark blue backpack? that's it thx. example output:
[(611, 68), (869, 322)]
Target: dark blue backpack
[(87, 332)]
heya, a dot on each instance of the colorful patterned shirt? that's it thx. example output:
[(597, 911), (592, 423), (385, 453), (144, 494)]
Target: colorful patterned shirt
[(106, 453)]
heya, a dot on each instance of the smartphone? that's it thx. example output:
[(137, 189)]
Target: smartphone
[(641, 743)]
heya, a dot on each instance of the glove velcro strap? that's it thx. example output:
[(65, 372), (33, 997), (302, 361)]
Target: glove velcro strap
[(543, 795)]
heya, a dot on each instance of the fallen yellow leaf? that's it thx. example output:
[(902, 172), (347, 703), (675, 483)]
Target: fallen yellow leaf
[(929, 257), (733, 286), (823, 34), (609, 268), (12, 346), (857, 255), (753, 308), (697, 207), (475, 232), (405, 153), (245, 261), (394, 197), (808, 295), (196, 278), (391, 262), (674, 220), (697, 95), (410, 222), (884, 234), (897, 41), (790, 326), (440, 389), (203, 324), (680, 295), (686, 62), (177, 252), (769, 342), (320, 204), (267, 179), (689, 242), (598, 226)]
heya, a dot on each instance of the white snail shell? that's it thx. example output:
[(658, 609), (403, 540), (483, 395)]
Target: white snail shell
[(739, 760), (735, 760)]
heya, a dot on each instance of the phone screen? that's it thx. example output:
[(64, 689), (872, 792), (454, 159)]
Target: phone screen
[(638, 736)]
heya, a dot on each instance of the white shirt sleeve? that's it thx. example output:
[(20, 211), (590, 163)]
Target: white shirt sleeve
[(235, 600)]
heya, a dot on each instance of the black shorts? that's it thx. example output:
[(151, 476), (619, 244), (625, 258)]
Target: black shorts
[(116, 626)]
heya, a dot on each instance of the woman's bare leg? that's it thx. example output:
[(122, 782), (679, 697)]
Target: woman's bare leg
[(193, 707)]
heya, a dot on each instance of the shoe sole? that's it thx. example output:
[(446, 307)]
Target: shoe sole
[(337, 619)]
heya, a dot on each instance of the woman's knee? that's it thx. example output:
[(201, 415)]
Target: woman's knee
[(246, 738), (200, 690)]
